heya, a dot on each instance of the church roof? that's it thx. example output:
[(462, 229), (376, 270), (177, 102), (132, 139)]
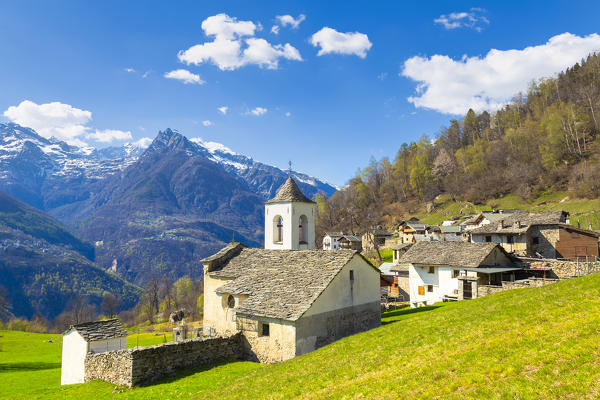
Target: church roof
[(288, 192), (100, 330), (279, 283)]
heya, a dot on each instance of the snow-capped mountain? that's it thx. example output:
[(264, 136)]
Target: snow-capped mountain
[(50, 174)]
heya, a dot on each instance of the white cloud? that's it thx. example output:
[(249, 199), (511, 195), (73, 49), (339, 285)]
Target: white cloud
[(275, 29), (207, 122), (235, 46), (332, 41), (472, 19), (61, 121), (288, 114), (143, 142), (453, 86), (223, 110), (258, 111), (184, 76), (108, 135), (129, 70), (285, 20)]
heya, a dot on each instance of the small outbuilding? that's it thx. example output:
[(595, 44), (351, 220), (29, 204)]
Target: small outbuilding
[(94, 337)]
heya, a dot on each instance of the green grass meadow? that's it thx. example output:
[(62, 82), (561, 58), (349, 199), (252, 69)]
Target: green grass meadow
[(536, 343)]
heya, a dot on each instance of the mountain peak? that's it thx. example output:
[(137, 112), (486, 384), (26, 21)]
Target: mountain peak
[(171, 140)]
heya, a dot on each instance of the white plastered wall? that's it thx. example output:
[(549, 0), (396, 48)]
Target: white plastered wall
[(74, 350), (215, 314), (290, 213), (340, 294), (441, 279)]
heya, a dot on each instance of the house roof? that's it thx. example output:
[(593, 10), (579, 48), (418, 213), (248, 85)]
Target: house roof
[(289, 192), (100, 330), (353, 238), (334, 234), (462, 254), (400, 246), (386, 268), (451, 228), (280, 283), (520, 222)]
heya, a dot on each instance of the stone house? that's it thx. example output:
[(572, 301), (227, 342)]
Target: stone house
[(375, 238), (88, 337), (409, 228), (487, 217), (286, 302), (447, 271), (543, 235)]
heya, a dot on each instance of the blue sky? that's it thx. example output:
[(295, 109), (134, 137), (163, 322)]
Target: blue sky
[(327, 113)]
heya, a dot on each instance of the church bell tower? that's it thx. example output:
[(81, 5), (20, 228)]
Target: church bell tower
[(290, 219)]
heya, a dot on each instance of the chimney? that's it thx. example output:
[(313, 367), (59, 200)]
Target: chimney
[(517, 224), (501, 224)]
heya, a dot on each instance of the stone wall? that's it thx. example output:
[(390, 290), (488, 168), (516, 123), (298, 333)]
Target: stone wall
[(113, 366), (563, 268), (133, 367), (485, 290)]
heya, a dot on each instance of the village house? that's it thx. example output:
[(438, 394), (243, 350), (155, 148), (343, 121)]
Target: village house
[(409, 228), (88, 337), (341, 240), (288, 298), (543, 235), (487, 217), (375, 238), (448, 271)]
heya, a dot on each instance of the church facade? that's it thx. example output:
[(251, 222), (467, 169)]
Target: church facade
[(288, 298)]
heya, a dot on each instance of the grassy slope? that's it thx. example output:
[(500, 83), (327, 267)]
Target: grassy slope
[(583, 210), (525, 343)]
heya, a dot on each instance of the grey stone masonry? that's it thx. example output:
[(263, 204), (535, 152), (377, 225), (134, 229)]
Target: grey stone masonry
[(137, 366)]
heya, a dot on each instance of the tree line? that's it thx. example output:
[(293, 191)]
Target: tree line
[(160, 297), (545, 139)]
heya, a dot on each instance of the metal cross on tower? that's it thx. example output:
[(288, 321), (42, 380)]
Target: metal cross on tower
[(290, 168)]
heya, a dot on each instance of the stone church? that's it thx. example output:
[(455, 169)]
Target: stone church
[(289, 298)]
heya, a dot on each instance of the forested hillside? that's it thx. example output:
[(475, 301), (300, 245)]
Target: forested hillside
[(544, 141)]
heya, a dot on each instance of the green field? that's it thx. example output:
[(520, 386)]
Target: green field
[(519, 344)]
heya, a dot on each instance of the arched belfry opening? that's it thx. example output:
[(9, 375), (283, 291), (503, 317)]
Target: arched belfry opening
[(303, 229), (278, 229)]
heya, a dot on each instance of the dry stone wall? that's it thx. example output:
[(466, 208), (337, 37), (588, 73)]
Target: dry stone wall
[(133, 367), (564, 268)]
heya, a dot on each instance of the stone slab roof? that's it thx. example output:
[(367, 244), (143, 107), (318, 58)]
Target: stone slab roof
[(520, 222), (100, 330), (280, 283), (463, 254), (288, 192), (353, 238)]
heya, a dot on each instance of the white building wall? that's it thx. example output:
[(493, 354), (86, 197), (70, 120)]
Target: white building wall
[(290, 213), (74, 350), (216, 313), (342, 292), (331, 243), (441, 279)]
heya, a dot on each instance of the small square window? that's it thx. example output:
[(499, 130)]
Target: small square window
[(488, 239), (455, 273), (430, 288), (536, 240), (264, 329), (431, 270)]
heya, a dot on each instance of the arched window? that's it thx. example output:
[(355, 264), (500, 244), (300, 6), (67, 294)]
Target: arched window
[(303, 229), (231, 301), (277, 229)]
